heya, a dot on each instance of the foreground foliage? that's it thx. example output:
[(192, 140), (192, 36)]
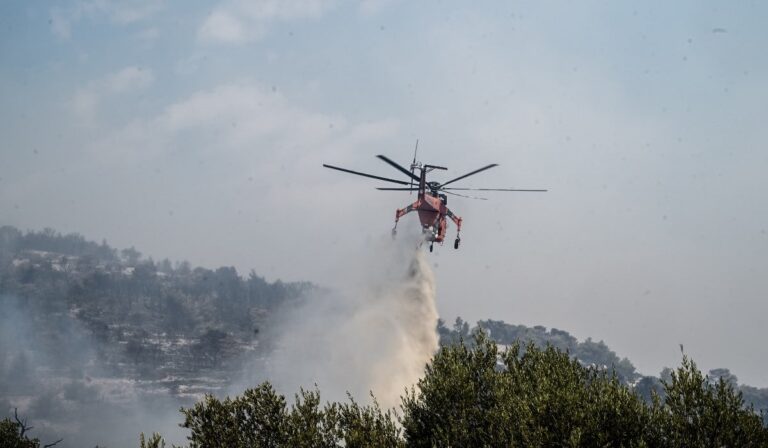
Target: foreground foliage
[(14, 434), (477, 395), (526, 396), (260, 418)]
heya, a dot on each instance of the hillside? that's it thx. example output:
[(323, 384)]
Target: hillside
[(84, 323), (158, 312), (87, 330)]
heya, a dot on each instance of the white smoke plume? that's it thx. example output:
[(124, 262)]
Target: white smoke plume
[(413, 337), (376, 336), (51, 371)]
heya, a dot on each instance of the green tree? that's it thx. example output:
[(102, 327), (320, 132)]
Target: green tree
[(367, 426), (480, 397), (261, 418), (699, 413), (154, 441), (255, 419), (13, 434)]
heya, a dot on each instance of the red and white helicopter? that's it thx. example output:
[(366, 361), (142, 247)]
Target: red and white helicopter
[(432, 200)]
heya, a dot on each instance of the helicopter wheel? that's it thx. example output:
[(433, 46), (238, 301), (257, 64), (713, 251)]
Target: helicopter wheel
[(431, 247), (456, 243)]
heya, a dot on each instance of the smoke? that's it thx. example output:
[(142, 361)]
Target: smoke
[(375, 334), (52, 371), (414, 339)]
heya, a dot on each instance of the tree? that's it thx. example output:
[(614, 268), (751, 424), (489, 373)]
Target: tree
[(481, 397), (260, 418), (183, 268), (131, 255), (648, 387), (725, 374), (13, 434), (255, 419), (165, 266), (212, 346), (698, 412), (154, 441)]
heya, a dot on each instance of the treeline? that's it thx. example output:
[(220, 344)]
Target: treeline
[(32, 261), (128, 301), (13, 240), (587, 352), (590, 354), (478, 395)]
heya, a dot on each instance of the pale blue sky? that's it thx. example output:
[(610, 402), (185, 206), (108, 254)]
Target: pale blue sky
[(196, 131)]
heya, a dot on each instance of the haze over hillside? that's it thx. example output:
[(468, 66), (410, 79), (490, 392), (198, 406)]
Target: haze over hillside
[(92, 334)]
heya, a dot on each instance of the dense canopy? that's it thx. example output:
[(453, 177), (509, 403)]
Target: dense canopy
[(477, 395)]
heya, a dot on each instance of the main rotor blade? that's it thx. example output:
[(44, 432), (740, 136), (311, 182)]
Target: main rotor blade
[(469, 174), (398, 167), (496, 189), (385, 179), (397, 189), (463, 196)]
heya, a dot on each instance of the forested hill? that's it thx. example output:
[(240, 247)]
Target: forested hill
[(174, 324), (142, 315)]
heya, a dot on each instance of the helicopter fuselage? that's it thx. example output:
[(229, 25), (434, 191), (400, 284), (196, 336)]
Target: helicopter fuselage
[(432, 210)]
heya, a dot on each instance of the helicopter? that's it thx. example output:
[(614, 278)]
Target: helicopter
[(432, 198)]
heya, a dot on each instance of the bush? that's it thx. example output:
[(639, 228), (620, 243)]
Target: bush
[(474, 395)]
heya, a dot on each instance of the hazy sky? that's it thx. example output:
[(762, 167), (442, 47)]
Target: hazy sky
[(198, 132)]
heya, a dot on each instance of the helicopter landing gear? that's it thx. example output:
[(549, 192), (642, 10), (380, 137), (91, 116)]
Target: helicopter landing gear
[(431, 246), (456, 243)]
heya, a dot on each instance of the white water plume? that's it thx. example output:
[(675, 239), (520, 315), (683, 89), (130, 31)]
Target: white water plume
[(414, 339), (376, 336)]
